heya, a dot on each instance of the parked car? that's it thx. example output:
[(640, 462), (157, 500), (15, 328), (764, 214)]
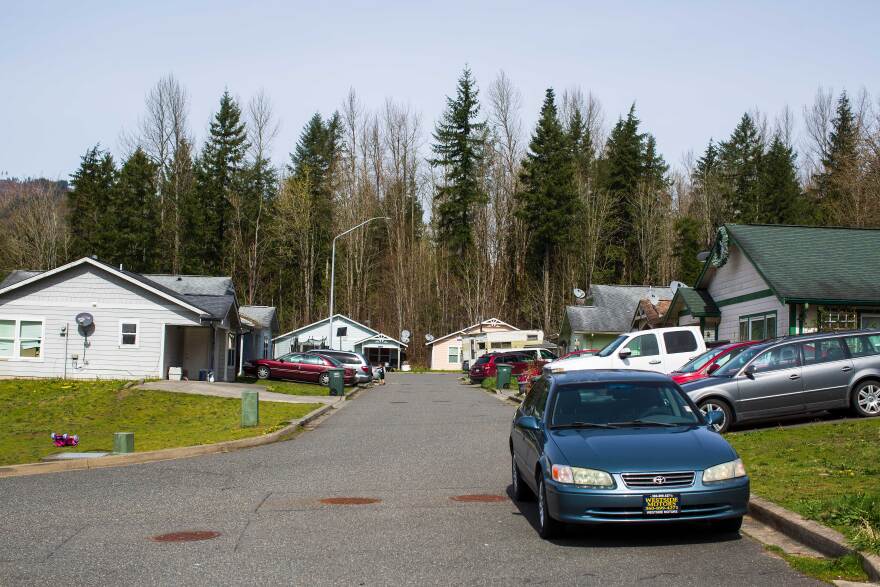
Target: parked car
[(578, 353), (709, 362), (362, 368), (661, 349), (539, 355), (601, 446), (487, 365), (795, 375), (306, 367)]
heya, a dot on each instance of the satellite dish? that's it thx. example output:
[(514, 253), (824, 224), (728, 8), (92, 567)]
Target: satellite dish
[(84, 319), (675, 285), (579, 293), (404, 335), (429, 337), (702, 256), (654, 298)]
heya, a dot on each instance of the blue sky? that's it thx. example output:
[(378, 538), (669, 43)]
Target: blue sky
[(75, 73)]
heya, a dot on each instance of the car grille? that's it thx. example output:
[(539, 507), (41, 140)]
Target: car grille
[(642, 480)]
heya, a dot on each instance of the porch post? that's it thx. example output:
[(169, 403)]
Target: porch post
[(241, 355), (398, 356)]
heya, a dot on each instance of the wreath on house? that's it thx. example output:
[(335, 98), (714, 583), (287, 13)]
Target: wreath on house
[(722, 248)]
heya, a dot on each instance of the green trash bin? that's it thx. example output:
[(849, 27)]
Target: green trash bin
[(502, 377), (337, 381)]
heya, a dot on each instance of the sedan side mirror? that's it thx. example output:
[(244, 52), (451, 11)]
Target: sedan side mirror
[(714, 418), (750, 371), (624, 353), (527, 423)]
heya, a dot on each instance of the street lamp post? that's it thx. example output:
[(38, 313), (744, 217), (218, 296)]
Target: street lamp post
[(333, 272)]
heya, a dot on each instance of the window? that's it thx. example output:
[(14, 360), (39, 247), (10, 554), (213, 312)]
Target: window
[(342, 331), (501, 345), (757, 326), (862, 346), (7, 338), (832, 318), (265, 347), (823, 351), (481, 346), (644, 346), (128, 333), (453, 354), (547, 356), (531, 337), (783, 357), (230, 350), (21, 338), (680, 341), (871, 321)]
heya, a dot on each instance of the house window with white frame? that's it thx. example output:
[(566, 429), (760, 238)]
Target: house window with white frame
[(757, 326), (129, 334), (453, 354), (21, 338), (230, 350)]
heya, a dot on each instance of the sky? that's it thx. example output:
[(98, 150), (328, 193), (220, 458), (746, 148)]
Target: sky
[(73, 74)]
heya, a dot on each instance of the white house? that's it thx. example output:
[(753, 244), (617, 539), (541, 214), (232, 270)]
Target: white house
[(140, 324), (259, 326), (348, 335), (448, 352)]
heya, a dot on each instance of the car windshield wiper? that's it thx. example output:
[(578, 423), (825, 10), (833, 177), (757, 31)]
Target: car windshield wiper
[(645, 423), (582, 425)]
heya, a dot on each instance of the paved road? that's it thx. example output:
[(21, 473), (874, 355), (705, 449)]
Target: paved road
[(413, 444)]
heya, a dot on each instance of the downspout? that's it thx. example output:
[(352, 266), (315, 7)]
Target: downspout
[(241, 355)]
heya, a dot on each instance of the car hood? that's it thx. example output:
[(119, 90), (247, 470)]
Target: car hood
[(643, 449), (578, 363), (691, 387)]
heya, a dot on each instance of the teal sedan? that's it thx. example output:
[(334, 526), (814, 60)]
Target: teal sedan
[(622, 447)]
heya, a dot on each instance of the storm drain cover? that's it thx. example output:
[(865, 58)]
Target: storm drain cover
[(479, 498), (186, 536), (349, 500)]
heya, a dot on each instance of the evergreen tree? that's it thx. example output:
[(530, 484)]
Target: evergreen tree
[(458, 149), (219, 173), (839, 165), (688, 244), (88, 203), (740, 159), (184, 217), (779, 186), (548, 200), (133, 214)]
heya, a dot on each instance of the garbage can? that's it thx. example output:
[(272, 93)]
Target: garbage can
[(502, 377), (337, 381)]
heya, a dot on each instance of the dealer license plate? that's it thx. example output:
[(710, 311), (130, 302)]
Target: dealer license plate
[(659, 504)]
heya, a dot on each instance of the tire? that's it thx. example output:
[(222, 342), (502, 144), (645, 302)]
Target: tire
[(717, 405), (519, 489), (263, 372), (728, 526), (324, 379), (866, 399), (548, 527)]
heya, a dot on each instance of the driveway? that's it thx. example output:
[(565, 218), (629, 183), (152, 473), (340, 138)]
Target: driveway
[(233, 390), (413, 445)]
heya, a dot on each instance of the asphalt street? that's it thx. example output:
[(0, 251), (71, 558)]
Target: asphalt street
[(413, 444)]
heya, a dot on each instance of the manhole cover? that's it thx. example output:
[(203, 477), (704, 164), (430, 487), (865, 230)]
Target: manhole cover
[(349, 500), (187, 536), (479, 498)]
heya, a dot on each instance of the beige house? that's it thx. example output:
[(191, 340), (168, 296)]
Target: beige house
[(447, 352)]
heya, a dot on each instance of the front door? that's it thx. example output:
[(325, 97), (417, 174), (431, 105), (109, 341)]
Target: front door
[(826, 372), (775, 387), (644, 353)]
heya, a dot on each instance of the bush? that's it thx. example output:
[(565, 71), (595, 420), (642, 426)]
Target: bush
[(489, 383)]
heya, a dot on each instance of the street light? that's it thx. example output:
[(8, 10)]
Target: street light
[(333, 271)]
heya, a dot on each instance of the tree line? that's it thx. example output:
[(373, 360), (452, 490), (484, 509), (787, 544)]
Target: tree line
[(484, 219)]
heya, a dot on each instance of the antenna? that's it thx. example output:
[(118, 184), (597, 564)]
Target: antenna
[(675, 285), (429, 337)]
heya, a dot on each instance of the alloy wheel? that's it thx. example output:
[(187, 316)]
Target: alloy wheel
[(325, 379), (263, 372), (869, 399)]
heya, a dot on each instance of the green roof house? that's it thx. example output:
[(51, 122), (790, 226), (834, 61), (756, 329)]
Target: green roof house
[(763, 281)]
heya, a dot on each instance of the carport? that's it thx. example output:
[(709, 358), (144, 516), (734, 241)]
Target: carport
[(380, 349)]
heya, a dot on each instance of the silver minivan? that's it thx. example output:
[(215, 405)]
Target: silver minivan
[(795, 375)]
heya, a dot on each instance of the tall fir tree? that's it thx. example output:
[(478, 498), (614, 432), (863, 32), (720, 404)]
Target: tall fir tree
[(219, 173), (184, 218), (459, 151), (740, 159), (840, 165), (133, 214), (88, 203), (548, 201), (779, 187), (688, 244)]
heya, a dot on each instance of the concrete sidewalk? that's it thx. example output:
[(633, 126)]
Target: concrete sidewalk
[(233, 390)]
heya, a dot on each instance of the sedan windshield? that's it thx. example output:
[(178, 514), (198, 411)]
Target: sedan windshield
[(613, 405), (733, 367), (612, 346), (698, 363)]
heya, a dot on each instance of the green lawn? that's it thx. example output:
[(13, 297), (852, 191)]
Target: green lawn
[(32, 409), (846, 568), (290, 387), (827, 472)]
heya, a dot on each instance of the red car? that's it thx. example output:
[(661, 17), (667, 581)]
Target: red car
[(704, 365), (299, 367), (487, 365)]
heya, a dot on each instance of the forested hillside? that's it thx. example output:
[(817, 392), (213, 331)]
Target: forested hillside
[(486, 217)]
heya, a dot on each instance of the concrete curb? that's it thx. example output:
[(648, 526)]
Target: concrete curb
[(818, 537), (164, 454)]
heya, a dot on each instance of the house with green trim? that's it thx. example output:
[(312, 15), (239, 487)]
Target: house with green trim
[(763, 281)]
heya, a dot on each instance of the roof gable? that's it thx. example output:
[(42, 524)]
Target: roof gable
[(491, 322), (325, 321)]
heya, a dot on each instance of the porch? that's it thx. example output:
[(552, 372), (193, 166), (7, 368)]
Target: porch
[(199, 350)]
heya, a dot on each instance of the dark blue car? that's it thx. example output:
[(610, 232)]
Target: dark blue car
[(608, 446)]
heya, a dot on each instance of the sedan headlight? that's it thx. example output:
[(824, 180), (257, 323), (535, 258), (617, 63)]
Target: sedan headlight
[(581, 477), (724, 472)]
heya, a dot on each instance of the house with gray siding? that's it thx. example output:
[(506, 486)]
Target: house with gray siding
[(141, 325), (765, 281), (259, 327)]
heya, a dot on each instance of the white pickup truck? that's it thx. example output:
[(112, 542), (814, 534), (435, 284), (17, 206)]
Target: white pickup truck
[(662, 349)]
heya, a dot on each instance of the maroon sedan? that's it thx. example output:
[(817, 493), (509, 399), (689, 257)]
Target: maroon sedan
[(487, 365), (299, 367), (704, 365)]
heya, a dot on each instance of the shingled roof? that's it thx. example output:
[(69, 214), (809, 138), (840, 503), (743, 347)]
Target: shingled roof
[(812, 264), (612, 307)]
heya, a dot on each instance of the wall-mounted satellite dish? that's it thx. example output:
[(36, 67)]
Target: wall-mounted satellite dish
[(84, 319), (429, 337), (675, 285), (703, 255), (579, 293)]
